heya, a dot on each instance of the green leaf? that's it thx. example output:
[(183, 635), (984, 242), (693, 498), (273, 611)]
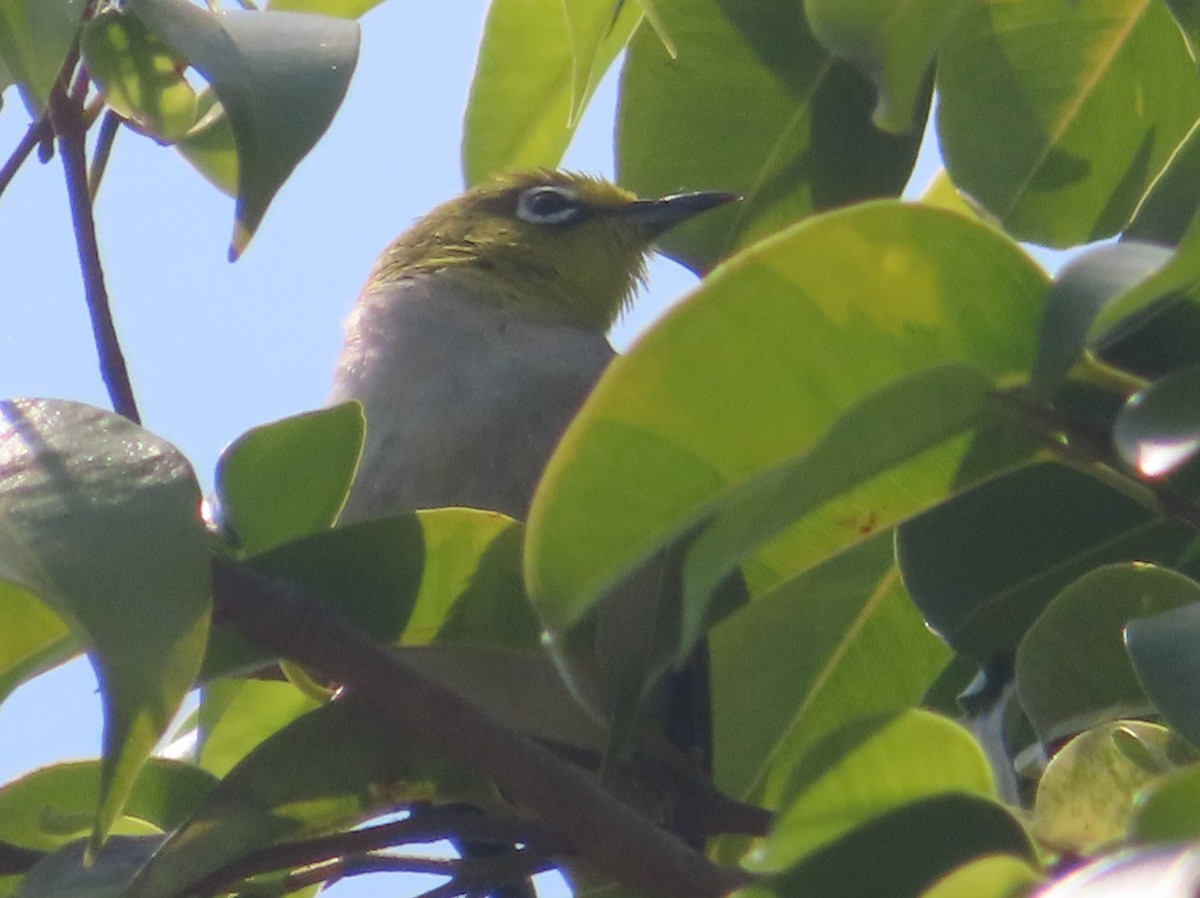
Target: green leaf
[(753, 369), (1170, 205), (280, 77), (138, 74), (289, 479), (342, 9), (996, 876), (1166, 810), (1080, 293), (1057, 116), (35, 36), (56, 805), (99, 519), (753, 104), (210, 146), (33, 638), (882, 433), (819, 650), (539, 63), (340, 764), (892, 43), (901, 853), (983, 565), (1165, 650), (71, 872), (1085, 797), (1158, 429), (863, 769), (1072, 669), (236, 715)]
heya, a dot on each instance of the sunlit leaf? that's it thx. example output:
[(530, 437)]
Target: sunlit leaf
[(35, 36)]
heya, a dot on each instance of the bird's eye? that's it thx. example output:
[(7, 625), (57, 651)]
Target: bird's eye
[(549, 205)]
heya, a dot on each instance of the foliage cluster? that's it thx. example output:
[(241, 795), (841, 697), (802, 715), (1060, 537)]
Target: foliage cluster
[(962, 494)]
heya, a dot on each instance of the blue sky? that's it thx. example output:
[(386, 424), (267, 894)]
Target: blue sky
[(216, 348)]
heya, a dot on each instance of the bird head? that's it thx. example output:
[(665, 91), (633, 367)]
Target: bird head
[(548, 243)]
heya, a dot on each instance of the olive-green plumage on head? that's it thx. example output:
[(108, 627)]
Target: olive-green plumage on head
[(559, 245)]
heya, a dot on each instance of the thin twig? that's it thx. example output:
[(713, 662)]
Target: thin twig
[(293, 623), (66, 114), (104, 144), (38, 131)]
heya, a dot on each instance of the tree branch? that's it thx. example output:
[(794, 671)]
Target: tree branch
[(67, 115), (288, 621)]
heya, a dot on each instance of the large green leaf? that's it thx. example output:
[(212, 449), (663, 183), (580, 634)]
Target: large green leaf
[(995, 876), (289, 479), (72, 873), (863, 769), (818, 651), (35, 36), (1165, 650), (280, 77), (1057, 116), (331, 768), (903, 852), (539, 62), (99, 518), (237, 714), (754, 368), (1072, 669), (1165, 811), (33, 638), (55, 805), (893, 42), (984, 564), (753, 104)]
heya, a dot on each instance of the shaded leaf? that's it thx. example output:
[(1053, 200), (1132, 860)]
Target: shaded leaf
[(138, 74), (210, 146), (863, 769), (1079, 294), (836, 643), (35, 36), (1072, 668), (344, 762), (794, 125), (983, 564), (98, 518), (1058, 116), (68, 872), (289, 479), (1165, 650), (1158, 429), (892, 43), (56, 805), (901, 853), (280, 77), (1166, 810)]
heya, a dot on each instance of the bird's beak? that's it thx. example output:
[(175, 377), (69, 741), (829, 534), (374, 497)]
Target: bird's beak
[(659, 215)]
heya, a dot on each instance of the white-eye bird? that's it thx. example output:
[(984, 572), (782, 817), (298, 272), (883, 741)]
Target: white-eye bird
[(481, 330), (479, 334)]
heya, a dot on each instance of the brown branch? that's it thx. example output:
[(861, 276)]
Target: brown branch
[(286, 620), (67, 115)]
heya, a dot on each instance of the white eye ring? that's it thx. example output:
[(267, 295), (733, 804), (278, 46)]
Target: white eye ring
[(549, 205)]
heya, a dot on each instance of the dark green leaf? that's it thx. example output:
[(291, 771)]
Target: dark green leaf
[(984, 564), (1158, 429), (892, 43), (289, 479), (99, 518), (280, 77), (1057, 116), (35, 36), (1072, 668), (752, 104), (68, 873), (1166, 810), (903, 852), (1166, 655), (1082, 290)]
